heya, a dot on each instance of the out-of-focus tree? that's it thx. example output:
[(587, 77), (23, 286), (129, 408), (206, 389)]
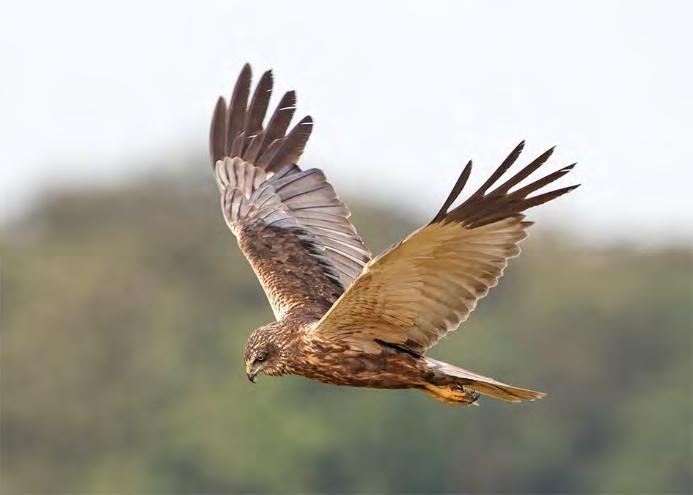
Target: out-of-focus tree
[(124, 315)]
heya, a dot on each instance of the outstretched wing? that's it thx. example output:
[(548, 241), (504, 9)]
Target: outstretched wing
[(290, 223), (424, 287)]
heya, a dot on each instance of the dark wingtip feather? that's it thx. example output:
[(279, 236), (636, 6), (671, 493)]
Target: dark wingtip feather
[(279, 122), (292, 147), (245, 73), (282, 115), (524, 173), (290, 97), (237, 129), (217, 131), (544, 181), (502, 168), (516, 152), (455, 192), (257, 110), (482, 207), (269, 75), (238, 106), (548, 196)]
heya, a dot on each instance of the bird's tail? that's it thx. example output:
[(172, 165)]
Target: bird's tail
[(463, 387)]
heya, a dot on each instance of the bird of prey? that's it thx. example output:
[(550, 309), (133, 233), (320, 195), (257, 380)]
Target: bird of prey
[(344, 317)]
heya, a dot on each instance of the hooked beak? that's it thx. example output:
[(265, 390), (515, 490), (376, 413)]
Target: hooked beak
[(250, 372)]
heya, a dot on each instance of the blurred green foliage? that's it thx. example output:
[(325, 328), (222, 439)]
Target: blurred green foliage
[(124, 315)]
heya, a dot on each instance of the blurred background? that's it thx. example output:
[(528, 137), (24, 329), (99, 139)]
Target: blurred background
[(126, 303)]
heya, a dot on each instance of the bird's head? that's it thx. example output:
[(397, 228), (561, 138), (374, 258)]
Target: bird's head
[(265, 352)]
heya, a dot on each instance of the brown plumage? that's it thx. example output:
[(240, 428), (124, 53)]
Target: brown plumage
[(342, 317)]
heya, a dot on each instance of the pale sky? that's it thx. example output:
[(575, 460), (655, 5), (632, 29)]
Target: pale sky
[(403, 94)]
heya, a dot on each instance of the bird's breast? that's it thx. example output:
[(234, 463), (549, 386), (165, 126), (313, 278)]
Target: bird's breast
[(340, 365)]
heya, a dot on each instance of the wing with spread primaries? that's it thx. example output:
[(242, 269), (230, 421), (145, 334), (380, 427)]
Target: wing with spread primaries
[(424, 287), (290, 223)]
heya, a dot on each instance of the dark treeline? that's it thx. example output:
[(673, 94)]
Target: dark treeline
[(125, 311)]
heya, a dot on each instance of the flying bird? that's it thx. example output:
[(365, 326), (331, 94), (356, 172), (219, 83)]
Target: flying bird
[(344, 317)]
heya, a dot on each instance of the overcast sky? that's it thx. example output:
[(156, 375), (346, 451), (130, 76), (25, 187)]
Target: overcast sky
[(403, 93)]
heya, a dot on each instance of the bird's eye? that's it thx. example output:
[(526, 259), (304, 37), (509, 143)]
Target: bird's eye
[(260, 358)]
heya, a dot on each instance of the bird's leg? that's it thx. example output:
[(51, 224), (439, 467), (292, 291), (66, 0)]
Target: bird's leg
[(453, 393), (469, 392)]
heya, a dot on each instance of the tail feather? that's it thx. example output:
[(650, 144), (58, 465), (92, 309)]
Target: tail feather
[(483, 384)]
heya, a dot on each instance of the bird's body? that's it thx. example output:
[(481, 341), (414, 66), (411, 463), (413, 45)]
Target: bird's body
[(337, 363), (340, 364), (343, 317)]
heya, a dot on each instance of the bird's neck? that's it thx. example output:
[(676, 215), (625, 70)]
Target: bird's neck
[(293, 339)]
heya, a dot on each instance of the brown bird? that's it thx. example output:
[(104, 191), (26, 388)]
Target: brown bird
[(343, 317)]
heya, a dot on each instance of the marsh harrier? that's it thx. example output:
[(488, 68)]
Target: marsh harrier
[(342, 316)]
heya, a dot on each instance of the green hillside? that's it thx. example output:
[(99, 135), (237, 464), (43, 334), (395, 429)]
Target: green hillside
[(125, 311)]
